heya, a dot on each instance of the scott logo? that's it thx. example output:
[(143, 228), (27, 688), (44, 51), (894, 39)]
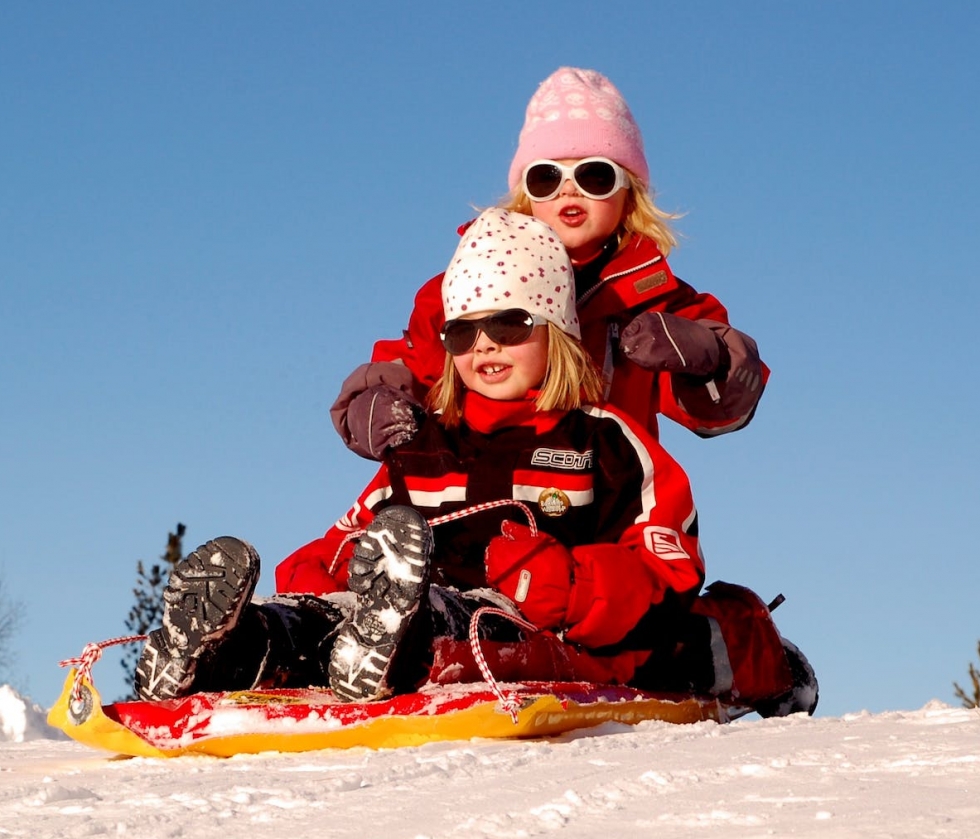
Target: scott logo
[(562, 458)]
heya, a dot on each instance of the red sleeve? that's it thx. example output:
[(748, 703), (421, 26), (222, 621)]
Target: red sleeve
[(320, 567), (616, 584), (419, 348)]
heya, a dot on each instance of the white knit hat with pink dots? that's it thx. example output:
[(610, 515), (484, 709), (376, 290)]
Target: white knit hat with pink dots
[(511, 261)]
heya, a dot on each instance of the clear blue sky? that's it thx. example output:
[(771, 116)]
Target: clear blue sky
[(208, 212)]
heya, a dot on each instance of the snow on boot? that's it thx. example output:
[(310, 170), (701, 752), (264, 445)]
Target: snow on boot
[(389, 573), (804, 694), (206, 593)]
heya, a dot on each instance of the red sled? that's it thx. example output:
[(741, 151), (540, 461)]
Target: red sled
[(248, 722)]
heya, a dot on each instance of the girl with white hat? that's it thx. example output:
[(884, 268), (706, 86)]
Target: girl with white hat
[(610, 560), (521, 492)]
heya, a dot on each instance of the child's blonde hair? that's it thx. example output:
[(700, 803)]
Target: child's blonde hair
[(570, 380), (640, 215)]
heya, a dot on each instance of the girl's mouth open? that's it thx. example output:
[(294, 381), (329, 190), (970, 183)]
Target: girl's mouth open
[(495, 372), (572, 215)]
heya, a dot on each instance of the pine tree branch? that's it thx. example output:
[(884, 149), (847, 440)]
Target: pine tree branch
[(970, 701)]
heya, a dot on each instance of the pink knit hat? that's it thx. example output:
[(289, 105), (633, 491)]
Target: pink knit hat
[(579, 113), (511, 261)]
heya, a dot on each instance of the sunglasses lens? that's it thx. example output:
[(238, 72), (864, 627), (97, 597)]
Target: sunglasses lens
[(459, 336), (509, 328), (596, 178), (542, 180)]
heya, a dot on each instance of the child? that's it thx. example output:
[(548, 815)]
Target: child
[(616, 566), (662, 346), (612, 564)]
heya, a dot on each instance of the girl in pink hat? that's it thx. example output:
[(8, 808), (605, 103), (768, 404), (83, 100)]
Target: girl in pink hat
[(662, 347)]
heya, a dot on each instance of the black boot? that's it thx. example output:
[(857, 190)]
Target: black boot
[(802, 697), (682, 658), (203, 601), (389, 573)]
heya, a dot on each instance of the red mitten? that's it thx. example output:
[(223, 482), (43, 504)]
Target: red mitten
[(307, 569), (533, 571)]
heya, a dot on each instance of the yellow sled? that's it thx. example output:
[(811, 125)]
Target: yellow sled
[(247, 722)]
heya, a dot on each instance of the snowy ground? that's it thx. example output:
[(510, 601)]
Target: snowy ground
[(898, 774)]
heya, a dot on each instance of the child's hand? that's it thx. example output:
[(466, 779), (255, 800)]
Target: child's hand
[(376, 409), (382, 417), (533, 571), (662, 341)]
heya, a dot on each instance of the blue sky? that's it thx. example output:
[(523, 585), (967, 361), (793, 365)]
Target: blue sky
[(209, 212)]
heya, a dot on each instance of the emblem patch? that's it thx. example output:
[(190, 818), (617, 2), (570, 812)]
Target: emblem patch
[(553, 502), (664, 542), (647, 283)]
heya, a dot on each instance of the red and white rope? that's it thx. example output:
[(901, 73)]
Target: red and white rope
[(350, 537), (511, 704), (437, 520), (86, 661), (489, 505)]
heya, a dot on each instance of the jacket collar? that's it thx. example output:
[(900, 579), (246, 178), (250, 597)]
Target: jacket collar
[(488, 415), (636, 272)]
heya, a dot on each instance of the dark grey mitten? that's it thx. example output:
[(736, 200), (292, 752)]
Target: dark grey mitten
[(661, 341), (376, 408), (382, 417)]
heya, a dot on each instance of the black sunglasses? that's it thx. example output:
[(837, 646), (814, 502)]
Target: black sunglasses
[(509, 327)]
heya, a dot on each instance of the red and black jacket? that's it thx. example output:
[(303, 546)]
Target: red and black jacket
[(592, 478)]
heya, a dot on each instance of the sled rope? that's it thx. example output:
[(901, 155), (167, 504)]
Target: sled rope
[(86, 661), (511, 704), (437, 520), (488, 505)]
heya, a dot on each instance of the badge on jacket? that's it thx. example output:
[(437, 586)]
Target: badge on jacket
[(553, 502)]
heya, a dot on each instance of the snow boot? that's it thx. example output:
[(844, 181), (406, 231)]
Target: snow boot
[(802, 697), (203, 600), (389, 573)]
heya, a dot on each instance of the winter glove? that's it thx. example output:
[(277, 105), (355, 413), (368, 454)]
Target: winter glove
[(381, 417), (533, 571), (660, 341), (376, 409), (738, 384)]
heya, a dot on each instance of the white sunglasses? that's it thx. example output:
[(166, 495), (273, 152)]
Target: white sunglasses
[(594, 177)]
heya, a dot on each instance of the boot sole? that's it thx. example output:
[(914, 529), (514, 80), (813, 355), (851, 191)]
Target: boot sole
[(389, 573), (204, 598)]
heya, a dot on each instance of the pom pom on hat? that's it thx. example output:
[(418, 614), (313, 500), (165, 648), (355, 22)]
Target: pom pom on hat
[(511, 261), (579, 113)]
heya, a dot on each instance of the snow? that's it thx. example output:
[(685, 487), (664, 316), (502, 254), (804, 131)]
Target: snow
[(895, 774), (22, 720)]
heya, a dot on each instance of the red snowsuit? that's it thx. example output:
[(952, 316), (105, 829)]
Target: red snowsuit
[(625, 512), (636, 279)]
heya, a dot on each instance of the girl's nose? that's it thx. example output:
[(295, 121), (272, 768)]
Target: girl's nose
[(484, 343), (568, 187)]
